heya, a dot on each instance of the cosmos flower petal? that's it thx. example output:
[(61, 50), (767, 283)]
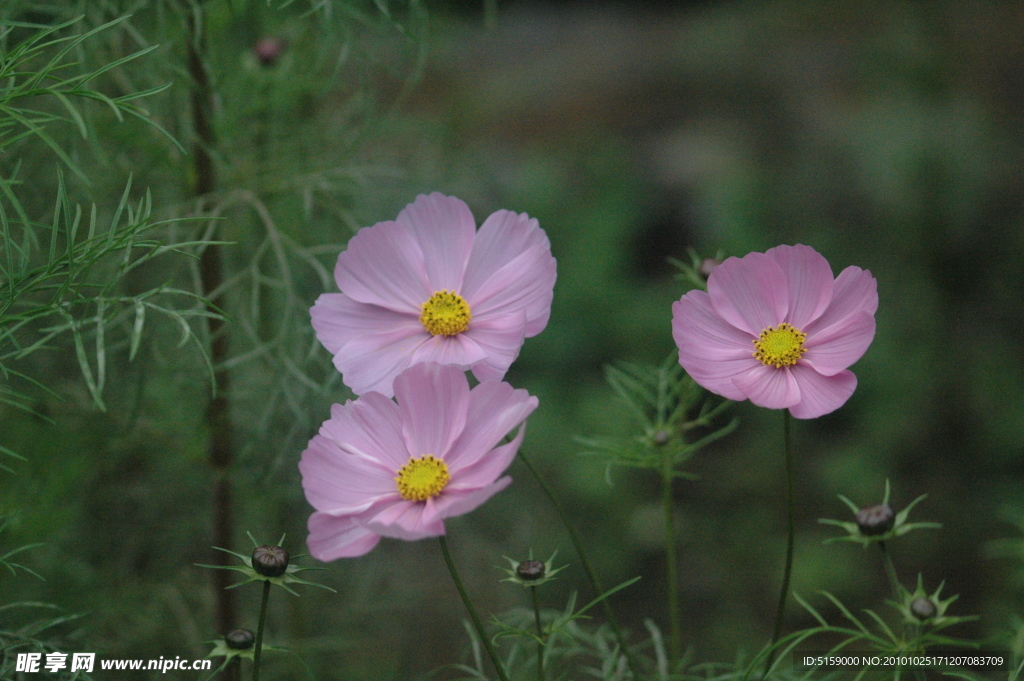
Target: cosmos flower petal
[(408, 520), (702, 335), (342, 483), (459, 350), (511, 268), (461, 501), (333, 537), (445, 229), (855, 291), (809, 280), (372, 361), (751, 292), (820, 395), (483, 470), (769, 387), (384, 265), (419, 391), (500, 336), (495, 408), (369, 428), (840, 345), (337, 320)]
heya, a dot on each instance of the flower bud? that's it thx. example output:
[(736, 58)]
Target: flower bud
[(923, 608), (239, 639), (875, 520), (267, 50), (708, 264), (530, 570), (270, 561), (660, 437)]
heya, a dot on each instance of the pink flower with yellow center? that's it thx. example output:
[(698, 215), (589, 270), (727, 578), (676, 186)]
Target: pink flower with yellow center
[(429, 287), (777, 329), (387, 468)]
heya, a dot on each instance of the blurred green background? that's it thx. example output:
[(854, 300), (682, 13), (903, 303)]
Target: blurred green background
[(887, 135)]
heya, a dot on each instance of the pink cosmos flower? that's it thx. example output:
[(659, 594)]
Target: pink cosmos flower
[(381, 469), (428, 287), (777, 329)]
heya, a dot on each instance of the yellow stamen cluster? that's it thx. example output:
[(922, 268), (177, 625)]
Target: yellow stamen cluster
[(422, 478), (780, 346), (445, 313)]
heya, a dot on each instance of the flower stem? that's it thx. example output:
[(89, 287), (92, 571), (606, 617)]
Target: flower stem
[(890, 572), (540, 634), (258, 648), (791, 522), (591, 575), (672, 577), (477, 624)]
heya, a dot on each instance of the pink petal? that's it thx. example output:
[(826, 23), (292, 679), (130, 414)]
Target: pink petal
[(769, 387), (840, 345), (511, 268), (337, 319), (855, 291), (750, 293), (408, 520), (499, 336), (337, 482), (370, 427), (384, 265), (700, 332), (711, 350), (495, 408), (485, 467), (459, 350), (445, 229), (332, 537), (819, 394), (451, 504), (809, 280), (371, 362), (433, 401)]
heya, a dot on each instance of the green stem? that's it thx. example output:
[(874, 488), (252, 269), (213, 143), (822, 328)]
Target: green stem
[(890, 572), (477, 624), (675, 631), (591, 575), (791, 522), (540, 634), (259, 632)]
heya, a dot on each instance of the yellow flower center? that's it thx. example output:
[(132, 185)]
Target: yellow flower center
[(422, 478), (780, 346), (445, 312)]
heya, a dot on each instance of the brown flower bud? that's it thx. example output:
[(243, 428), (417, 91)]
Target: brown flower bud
[(239, 639), (530, 570), (270, 561)]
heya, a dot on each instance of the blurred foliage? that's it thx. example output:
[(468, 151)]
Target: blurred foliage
[(885, 134)]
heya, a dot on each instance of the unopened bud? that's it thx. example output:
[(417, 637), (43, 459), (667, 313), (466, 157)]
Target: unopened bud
[(875, 520), (923, 608), (530, 570), (660, 437), (708, 264), (270, 561), (239, 639), (267, 50)]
